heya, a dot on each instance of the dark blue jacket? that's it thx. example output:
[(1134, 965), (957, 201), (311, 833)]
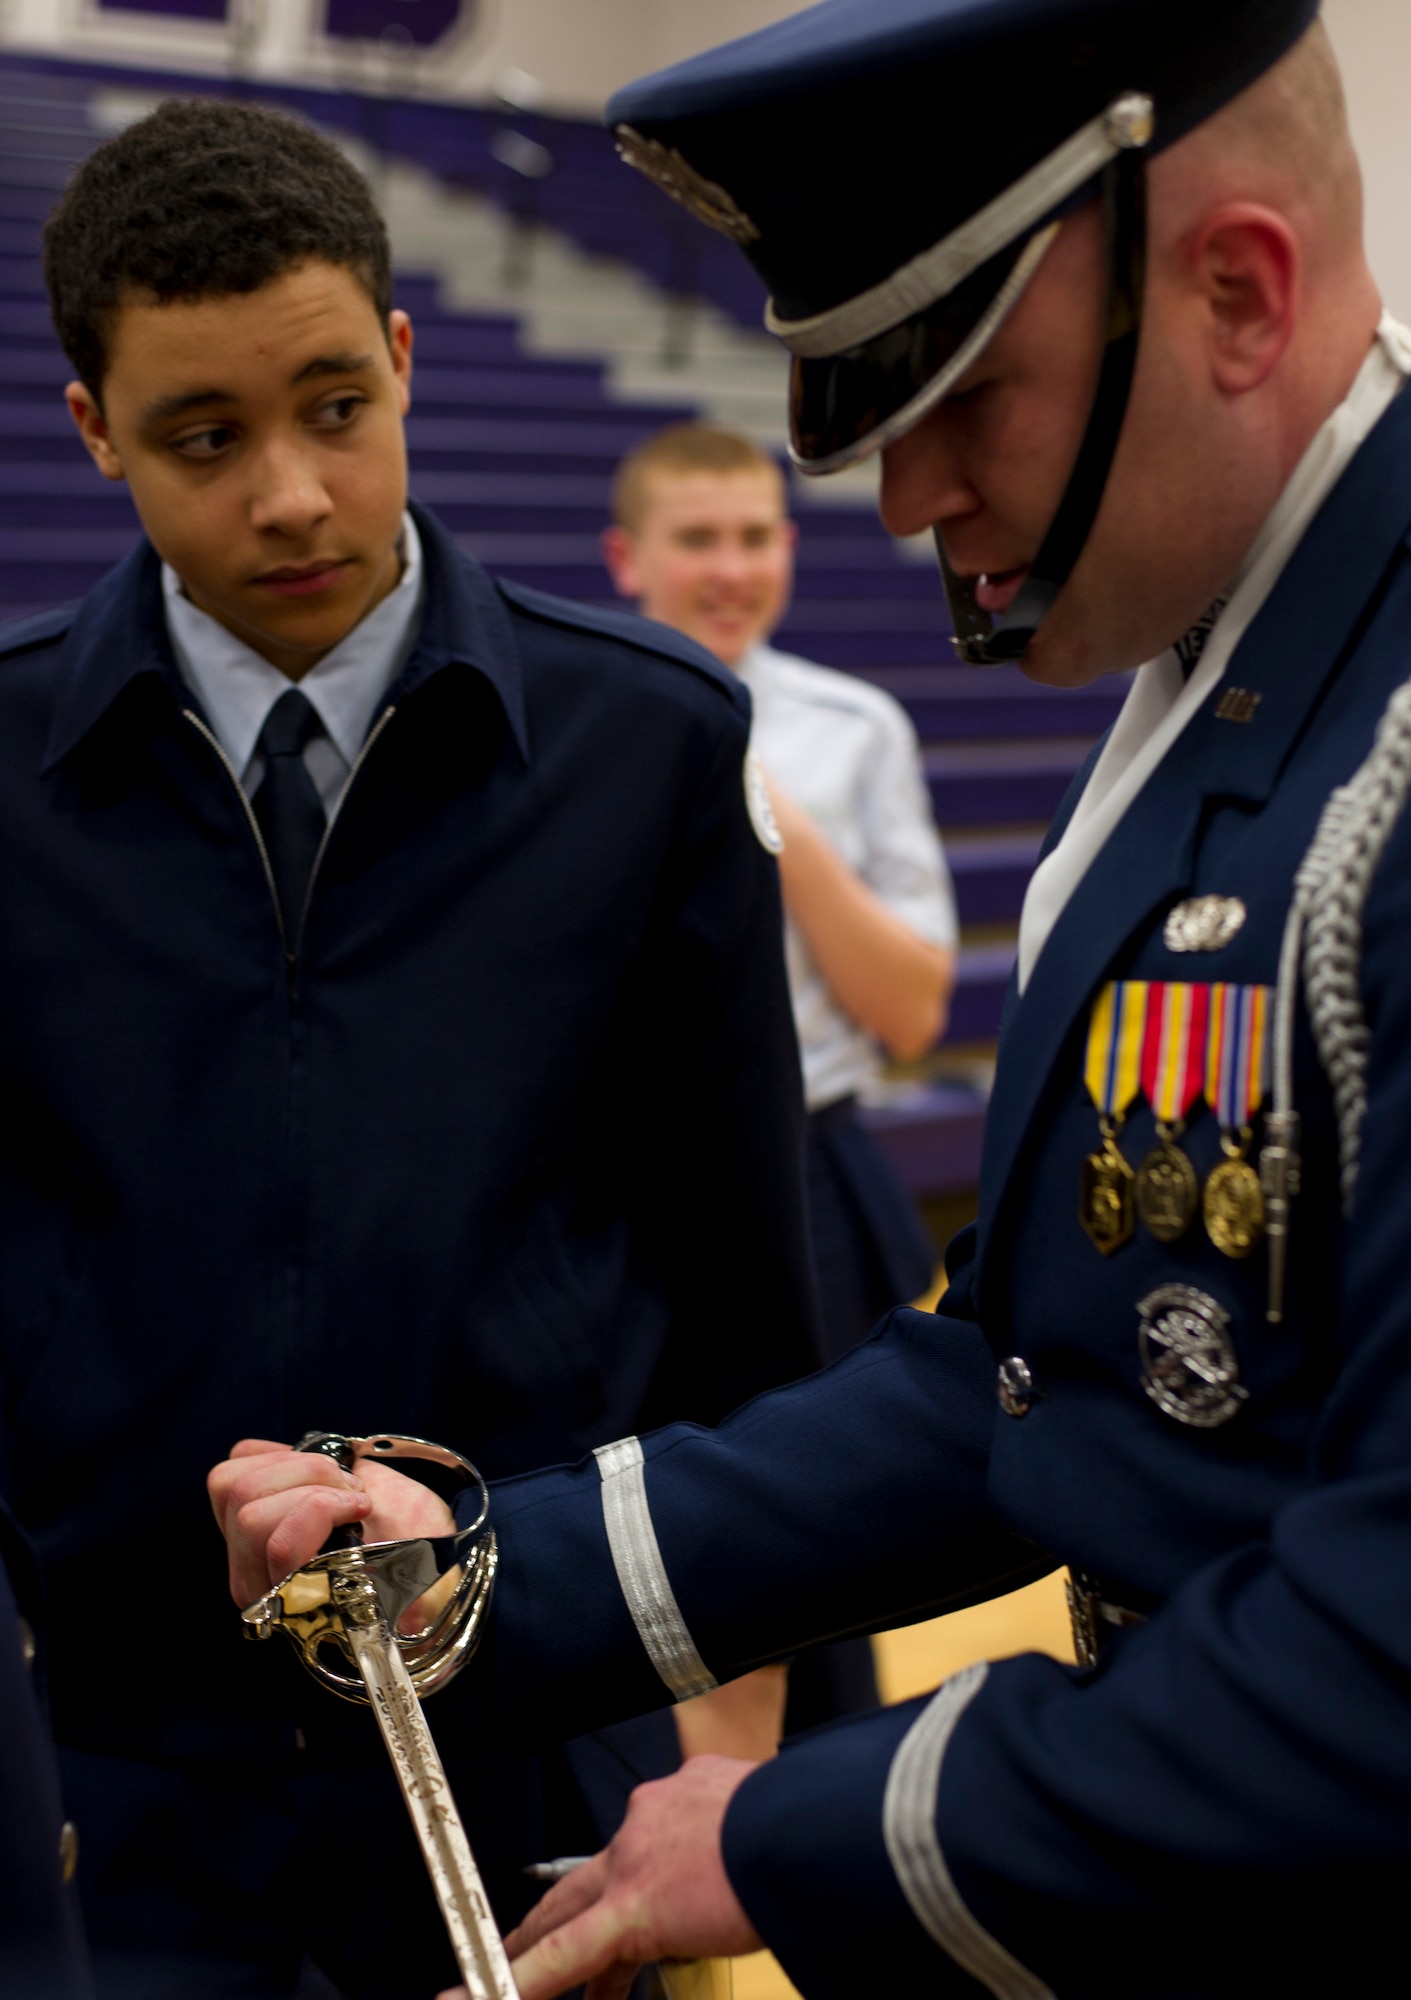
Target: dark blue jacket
[(41, 1949), (509, 1157), (1223, 1806)]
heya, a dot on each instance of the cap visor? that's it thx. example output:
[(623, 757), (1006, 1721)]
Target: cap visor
[(843, 407)]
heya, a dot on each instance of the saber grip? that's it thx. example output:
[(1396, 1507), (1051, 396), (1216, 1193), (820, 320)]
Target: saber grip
[(328, 1444)]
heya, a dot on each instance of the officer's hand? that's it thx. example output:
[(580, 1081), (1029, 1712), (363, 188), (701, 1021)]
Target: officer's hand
[(659, 1891), (277, 1507)]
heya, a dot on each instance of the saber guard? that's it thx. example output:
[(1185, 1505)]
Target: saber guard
[(315, 1605)]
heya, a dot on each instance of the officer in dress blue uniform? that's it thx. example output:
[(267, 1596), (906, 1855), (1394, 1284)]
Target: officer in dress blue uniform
[(1090, 272), (371, 930)]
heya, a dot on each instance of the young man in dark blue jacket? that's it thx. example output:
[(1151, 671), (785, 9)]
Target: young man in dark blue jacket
[(395, 1037)]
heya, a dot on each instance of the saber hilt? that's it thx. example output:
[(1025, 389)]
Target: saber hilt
[(328, 1444), (453, 1573), (350, 1599)]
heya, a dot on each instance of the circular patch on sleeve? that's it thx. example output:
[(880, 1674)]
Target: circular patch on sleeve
[(760, 808)]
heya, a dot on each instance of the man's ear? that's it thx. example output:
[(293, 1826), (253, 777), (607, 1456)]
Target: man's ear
[(399, 340), (1249, 265), (92, 427), (619, 549)]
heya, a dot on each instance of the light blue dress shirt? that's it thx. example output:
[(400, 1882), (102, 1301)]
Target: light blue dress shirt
[(237, 689), (847, 753)]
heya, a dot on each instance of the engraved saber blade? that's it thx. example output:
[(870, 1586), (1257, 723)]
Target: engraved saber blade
[(480, 1953)]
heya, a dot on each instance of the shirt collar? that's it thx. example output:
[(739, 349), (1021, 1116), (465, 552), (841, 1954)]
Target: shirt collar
[(755, 665), (1169, 692), (119, 637), (237, 689)]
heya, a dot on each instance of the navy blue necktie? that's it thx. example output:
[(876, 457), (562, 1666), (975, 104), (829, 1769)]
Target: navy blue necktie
[(287, 805)]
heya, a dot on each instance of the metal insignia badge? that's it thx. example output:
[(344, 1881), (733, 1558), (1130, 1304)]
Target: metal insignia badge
[(707, 200), (1204, 923), (761, 807), (1189, 1366)]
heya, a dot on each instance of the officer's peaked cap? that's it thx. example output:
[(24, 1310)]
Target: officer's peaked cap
[(877, 160)]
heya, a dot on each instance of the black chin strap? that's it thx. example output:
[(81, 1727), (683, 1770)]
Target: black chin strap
[(983, 641)]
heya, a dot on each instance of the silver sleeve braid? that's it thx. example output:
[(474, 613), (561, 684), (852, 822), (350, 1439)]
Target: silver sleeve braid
[(1330, 895)]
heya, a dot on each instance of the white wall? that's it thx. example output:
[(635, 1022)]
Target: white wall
[(1373, 41), (581, 50)]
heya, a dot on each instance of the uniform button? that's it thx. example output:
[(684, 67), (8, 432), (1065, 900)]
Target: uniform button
[(1016, 1387), (68, 1850), (27, 1647)]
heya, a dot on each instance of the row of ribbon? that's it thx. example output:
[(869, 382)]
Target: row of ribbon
[(1175, 1043)]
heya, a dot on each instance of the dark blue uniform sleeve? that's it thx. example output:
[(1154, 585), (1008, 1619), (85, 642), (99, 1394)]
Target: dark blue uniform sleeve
[(1224, 1805), (848, 1502)]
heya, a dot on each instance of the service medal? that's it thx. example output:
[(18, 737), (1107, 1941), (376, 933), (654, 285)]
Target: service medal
[(1236, 1083), (1189, 1366), (1112, 1073), (1167, 1192), (1106, 1208), (1172, 1076)]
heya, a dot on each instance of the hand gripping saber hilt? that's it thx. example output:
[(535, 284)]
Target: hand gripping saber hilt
[(455, 1573)]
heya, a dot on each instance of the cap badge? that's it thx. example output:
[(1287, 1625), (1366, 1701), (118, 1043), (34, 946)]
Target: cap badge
[(1189, 1366), (706, 200), (1204, 923), (1131, 121)]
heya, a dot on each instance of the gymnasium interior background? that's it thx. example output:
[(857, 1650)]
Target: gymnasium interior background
[(564, 310)]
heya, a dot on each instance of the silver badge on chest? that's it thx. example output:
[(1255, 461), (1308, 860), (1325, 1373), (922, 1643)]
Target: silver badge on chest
[(1204, 923), (1189, 1365)]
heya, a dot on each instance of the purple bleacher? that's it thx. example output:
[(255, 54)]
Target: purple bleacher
[(190, 10), (996, 784), (933, 1139), (991, 872), (957, 704), (422, 24), (517, 453)]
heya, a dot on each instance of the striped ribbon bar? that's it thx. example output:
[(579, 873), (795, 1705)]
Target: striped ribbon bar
[(1174, 1048), (1113, 1070), (1237, 1069)]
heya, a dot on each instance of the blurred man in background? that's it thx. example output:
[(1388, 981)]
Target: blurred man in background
[(702, 541)]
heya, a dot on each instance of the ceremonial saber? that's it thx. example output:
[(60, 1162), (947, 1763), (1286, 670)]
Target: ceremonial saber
[(350, 1600)]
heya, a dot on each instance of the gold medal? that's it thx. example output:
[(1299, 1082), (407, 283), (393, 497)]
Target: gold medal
[(1173, 1074), (1167, 1190), (1112, 1073), (1234, 1202), (1237, 1084), (1106, 1208)]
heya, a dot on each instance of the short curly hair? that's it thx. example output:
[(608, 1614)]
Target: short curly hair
[(202, 199)]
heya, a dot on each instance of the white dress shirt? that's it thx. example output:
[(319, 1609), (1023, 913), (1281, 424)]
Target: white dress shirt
[(1162, 701), (237, 689), (848, 754)]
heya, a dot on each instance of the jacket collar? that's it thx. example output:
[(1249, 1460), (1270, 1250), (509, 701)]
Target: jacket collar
[(466, 625), (1294, 648), (119, 637)]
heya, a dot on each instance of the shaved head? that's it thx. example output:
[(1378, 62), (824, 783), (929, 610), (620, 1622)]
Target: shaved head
[(1284, 141)]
